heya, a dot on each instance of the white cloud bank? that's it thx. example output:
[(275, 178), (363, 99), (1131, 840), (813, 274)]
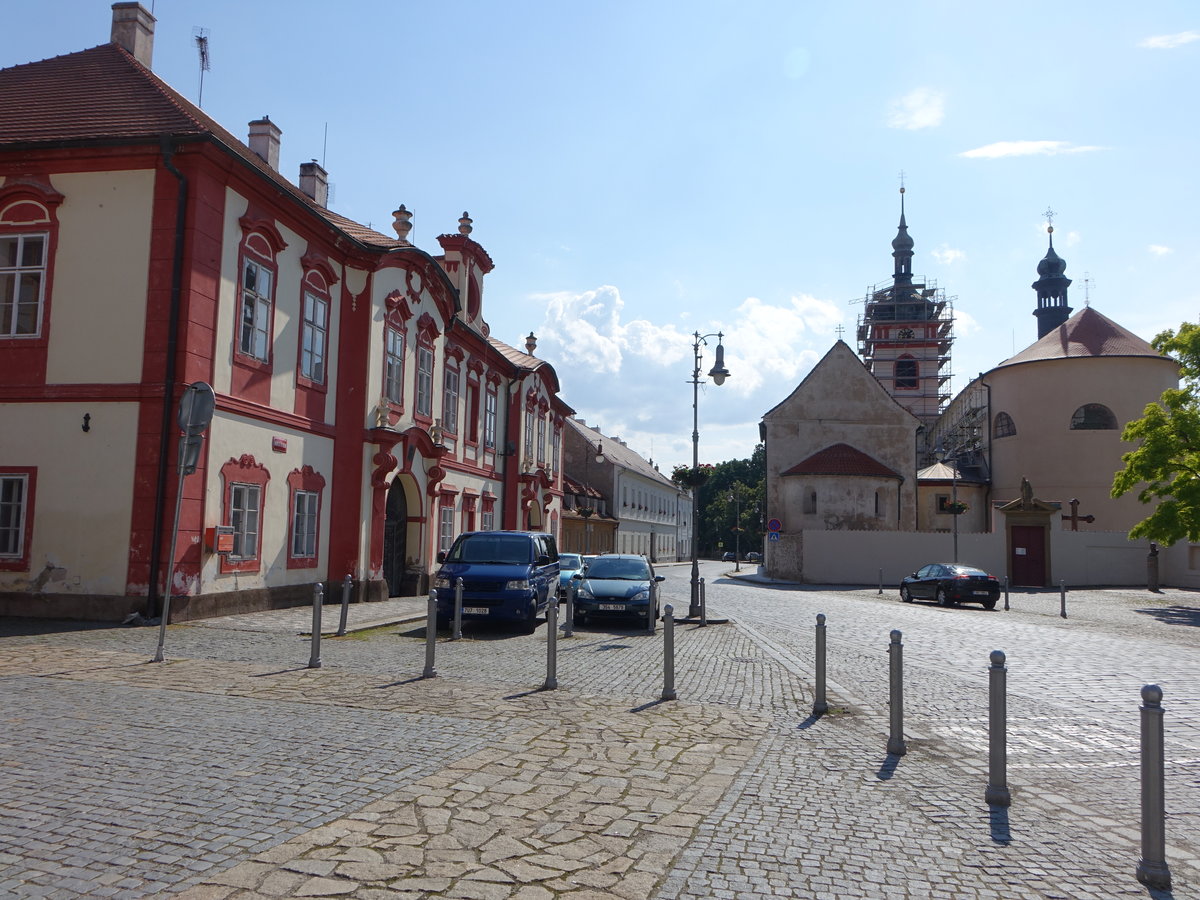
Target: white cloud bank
[(1159, 249), (921, 108), (1025, 148), (947, 255), (1169, 41)]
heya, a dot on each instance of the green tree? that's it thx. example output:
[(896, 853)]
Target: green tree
[(1166, 462), (718, 510)]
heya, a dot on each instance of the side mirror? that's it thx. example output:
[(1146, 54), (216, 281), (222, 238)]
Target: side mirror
[(578, 576), (542, 560), (660, 577), (441, 557)]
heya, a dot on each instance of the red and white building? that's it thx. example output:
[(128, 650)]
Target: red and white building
[(364, 415)]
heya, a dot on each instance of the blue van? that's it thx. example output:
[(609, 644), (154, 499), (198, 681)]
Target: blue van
[(508, 576)]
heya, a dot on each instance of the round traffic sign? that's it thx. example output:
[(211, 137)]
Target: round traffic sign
[(774, 525)]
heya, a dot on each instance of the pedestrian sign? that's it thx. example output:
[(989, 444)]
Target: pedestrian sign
[(772, 535)]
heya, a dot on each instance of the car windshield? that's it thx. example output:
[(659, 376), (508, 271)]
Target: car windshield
[(619, 569), (507, 549), (569, 560), (966, 570)]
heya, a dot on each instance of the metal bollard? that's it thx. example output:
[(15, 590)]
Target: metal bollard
[(430, 636), (314, 659), (819, 704), (347, 586), (569, 612), (1006, 593), (997, 793), (551, 646), (456, 631), (881, 581), (650, 608), (703, 605), (1062, 590), (895, 742), (1152, 868), (669, 653)]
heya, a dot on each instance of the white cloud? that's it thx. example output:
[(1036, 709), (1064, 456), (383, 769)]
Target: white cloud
[(1024, 148), (947, 255), (1159, 249), (1073, 238), (921, 108), (1169, 41)]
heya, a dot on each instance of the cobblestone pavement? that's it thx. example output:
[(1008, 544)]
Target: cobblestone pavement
[(235, 771)]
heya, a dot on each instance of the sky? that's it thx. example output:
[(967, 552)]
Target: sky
[(641, 172)]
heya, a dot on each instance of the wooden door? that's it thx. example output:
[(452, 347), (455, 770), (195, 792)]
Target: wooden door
[(1027, 555)]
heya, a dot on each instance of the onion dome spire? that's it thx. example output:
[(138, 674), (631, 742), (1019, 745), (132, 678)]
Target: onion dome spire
[(902, 249), (1051, 286)]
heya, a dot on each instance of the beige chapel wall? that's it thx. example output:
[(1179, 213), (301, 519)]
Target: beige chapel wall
[(82, 507), (229, 438), (101, 267), (1060, 463)]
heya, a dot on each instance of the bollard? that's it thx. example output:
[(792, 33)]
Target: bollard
[(819, 705), (551, 645), (1152, 868), (1006, 593), (1062, 591), (650, 604), (895, 742), (456, 631), (703, 605), (347, 585), (997, 790), (314, 659), (669, 653), (881, 581), (430, 636), (569, 614)]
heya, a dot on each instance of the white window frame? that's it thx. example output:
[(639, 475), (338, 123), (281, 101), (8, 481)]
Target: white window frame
[(254, 333), (445, 527), (314, 338), (424, 381), (490, 403), (305, 509), (19, 270), (13, 512), (245, 517), (450, 400), (393, 366)]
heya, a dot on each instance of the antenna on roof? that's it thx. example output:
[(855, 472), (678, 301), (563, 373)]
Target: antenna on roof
[(1087, 288), (200, 35)]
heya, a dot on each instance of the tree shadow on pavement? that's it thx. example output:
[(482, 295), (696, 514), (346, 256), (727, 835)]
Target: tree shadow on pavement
[(1174, 615)]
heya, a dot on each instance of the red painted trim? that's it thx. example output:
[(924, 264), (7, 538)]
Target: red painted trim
[(273, 416), (250, 377), (244, 470), (309, 394), (305, 479), (70, 393), (21, 563), (29, 205)]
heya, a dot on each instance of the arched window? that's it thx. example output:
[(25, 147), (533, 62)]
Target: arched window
[(810, 502), (1003, 425), (907, 374), (1094, 417)]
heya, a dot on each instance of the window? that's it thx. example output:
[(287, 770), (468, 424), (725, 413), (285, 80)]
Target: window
[(487, 519), (254, 340), (393, 373), (244, 511), (1003, 425), (878, 506), (314, 338), (907, 374), (810, 503), (472, 430), (22, 283), (16, 518), (489, 419), (1094, 417), (541, 440), (556, 450), (304, 525), (943, 504), (446, 526), (529, 435), (450, 401), (424, 381)]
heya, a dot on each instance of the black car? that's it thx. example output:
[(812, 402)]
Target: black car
[(617, 585), (950, 583)]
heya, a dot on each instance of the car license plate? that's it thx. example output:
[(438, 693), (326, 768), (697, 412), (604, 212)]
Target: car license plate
[(475, 610), (981, 593), (612, 607)]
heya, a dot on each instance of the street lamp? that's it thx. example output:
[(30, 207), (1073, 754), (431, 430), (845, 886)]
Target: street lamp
[(718, 373), (736, 497), (586, 510), (941, 456)]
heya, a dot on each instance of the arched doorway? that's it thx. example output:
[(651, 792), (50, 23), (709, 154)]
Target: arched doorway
[(395, 538)]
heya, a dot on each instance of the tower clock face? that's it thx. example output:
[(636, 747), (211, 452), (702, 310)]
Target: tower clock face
[(906, 333)]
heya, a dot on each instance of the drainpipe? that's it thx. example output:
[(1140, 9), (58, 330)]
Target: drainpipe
[(154, 600)]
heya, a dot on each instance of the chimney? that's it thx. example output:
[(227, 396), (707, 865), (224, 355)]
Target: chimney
[(264, 141), (133, 29), (314, 181)]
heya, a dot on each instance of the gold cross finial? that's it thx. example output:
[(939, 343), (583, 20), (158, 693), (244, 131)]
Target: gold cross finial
[(1049, 214)]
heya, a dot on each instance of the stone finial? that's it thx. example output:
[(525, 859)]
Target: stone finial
[(402, 222), (530, 343), (464, 224)]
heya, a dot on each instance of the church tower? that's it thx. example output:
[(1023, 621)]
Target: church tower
[(1051, 287), (905, 334)]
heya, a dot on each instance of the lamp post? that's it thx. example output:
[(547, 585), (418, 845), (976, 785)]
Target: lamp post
[(586, 510), (718, 373), (941, 455), (736, 497)]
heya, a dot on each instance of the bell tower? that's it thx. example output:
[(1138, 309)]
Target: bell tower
[(1051, 287), (905, 333)]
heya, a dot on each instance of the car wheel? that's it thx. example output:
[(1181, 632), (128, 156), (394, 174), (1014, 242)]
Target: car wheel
[(989, 604), (943, 598), (530, 624), (905, 595)]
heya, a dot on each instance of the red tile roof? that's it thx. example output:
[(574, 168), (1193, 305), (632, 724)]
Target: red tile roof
[(1087, 333), (842, 459)]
